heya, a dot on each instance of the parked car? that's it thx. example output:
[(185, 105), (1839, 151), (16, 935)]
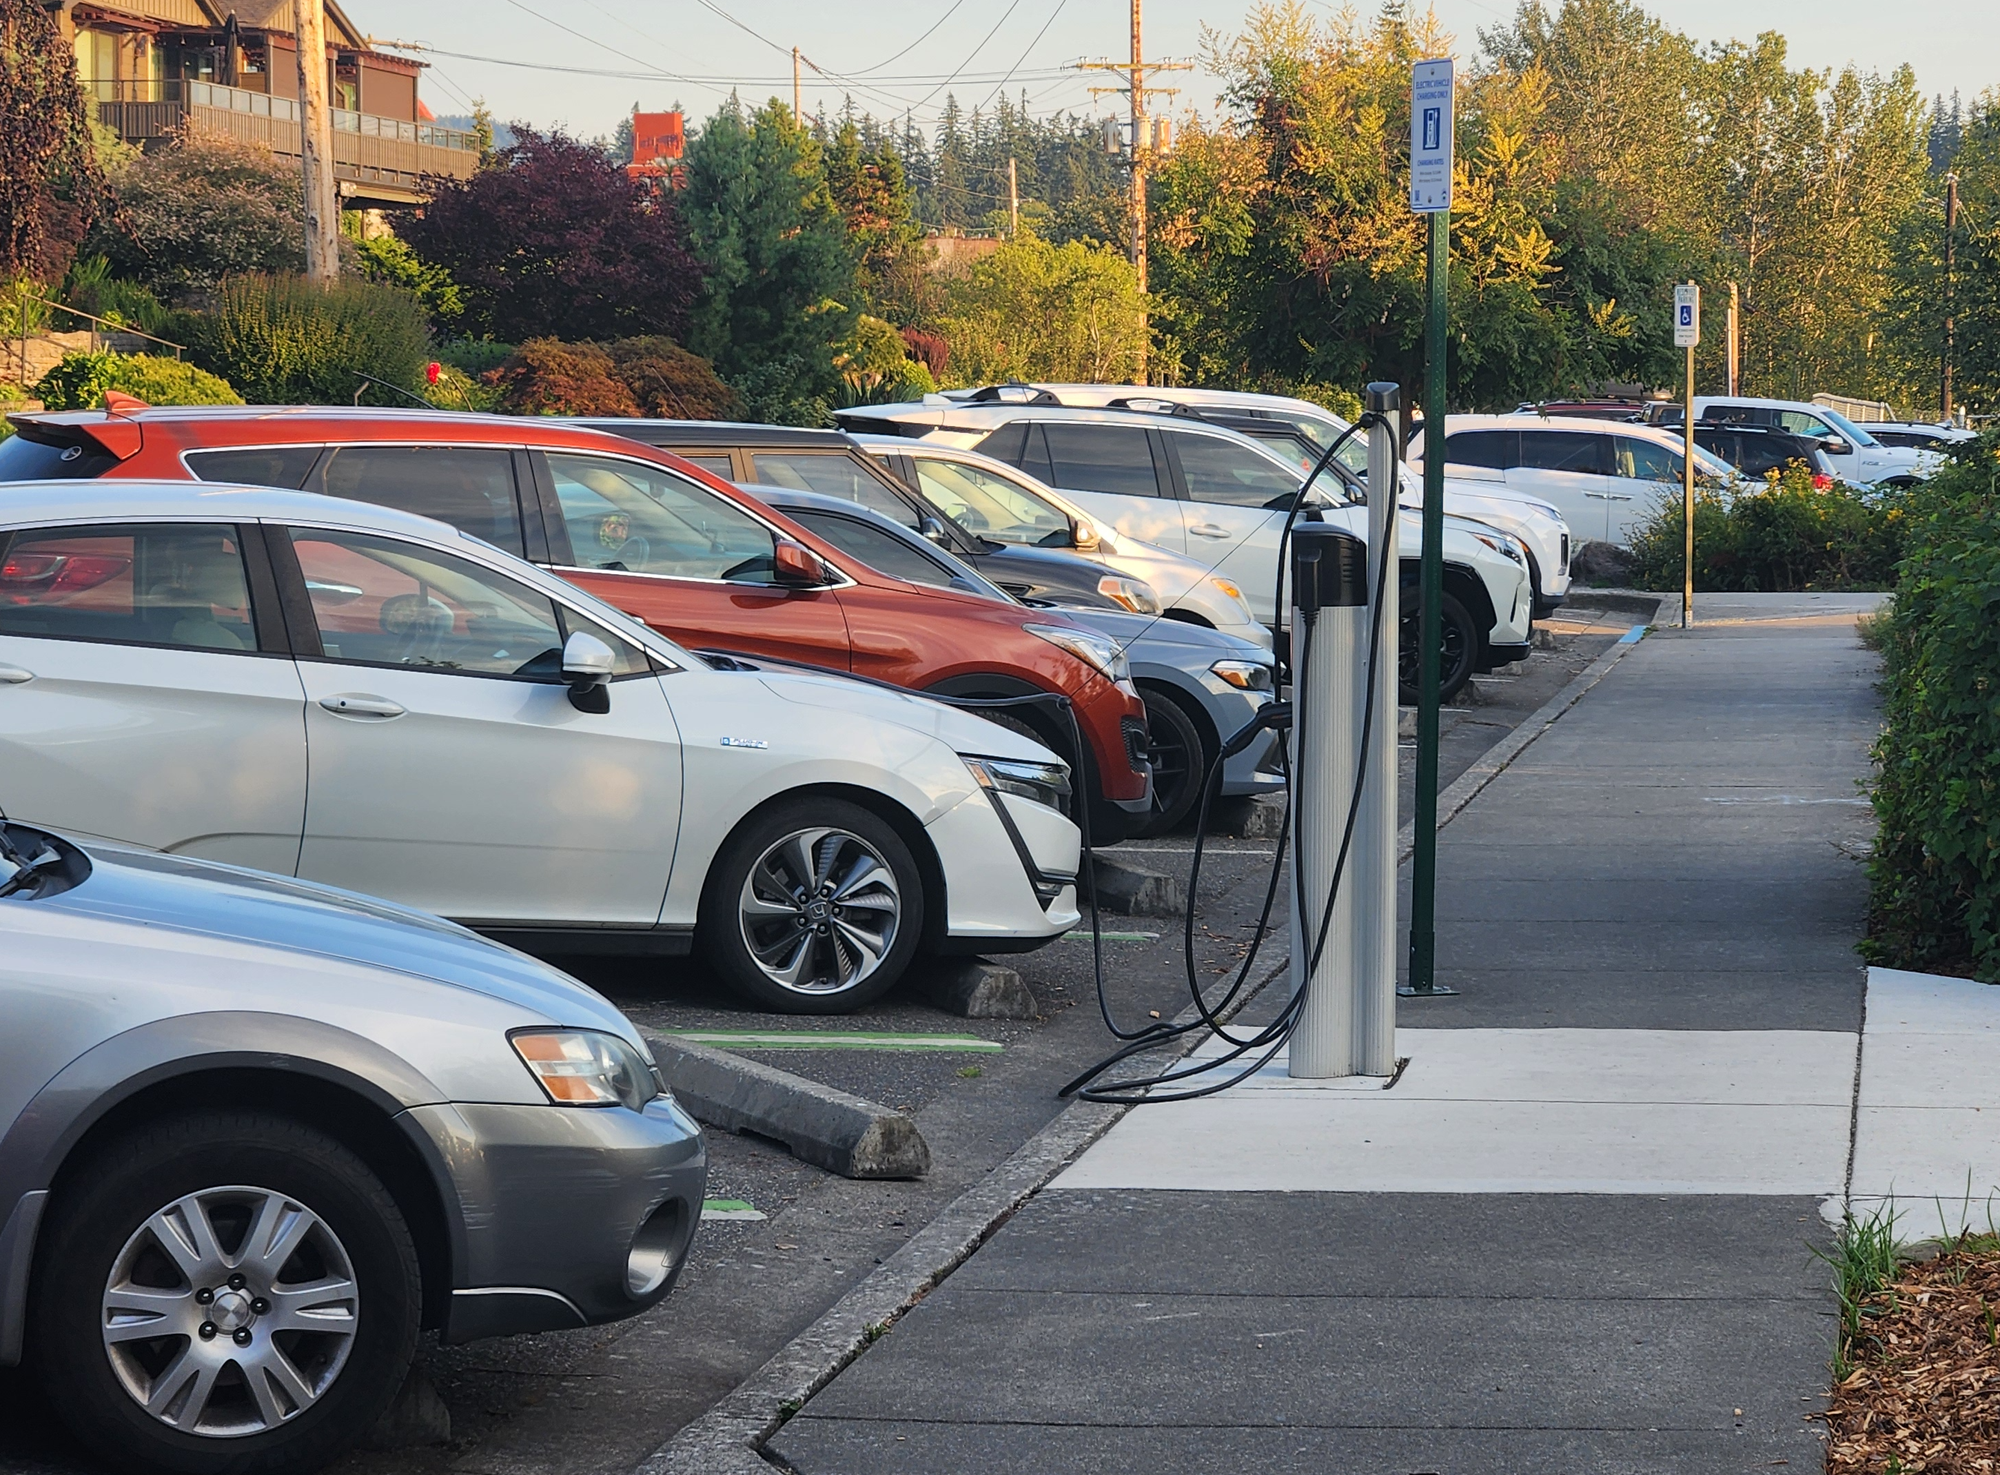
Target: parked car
[(1604, 478), (827, 461), (1857, 456), (490, 743), (255, 1134), (648, 533), (1188, 485), (1200, 686), (1918, 436), (1757, 450), (1005, 504)]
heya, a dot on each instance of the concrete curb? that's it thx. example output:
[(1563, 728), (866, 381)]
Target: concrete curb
[(1629, 601), (830, 1129), (1502, 754), (973, 988), (727, 1440)]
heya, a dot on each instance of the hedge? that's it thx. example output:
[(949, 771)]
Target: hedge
[(79, 381), (1779, 535), (284, 340), (1934, 902)]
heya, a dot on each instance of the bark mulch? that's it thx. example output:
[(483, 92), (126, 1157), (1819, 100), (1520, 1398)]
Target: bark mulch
[(1923, 1393)]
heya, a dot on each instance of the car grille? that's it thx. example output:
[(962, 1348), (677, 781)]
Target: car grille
[(1565, 555)]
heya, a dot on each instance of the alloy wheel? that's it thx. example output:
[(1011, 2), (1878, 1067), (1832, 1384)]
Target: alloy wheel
[(230, 1311), (819, 911)]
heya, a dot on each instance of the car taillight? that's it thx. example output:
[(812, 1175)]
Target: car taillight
[(1821, 481), (44, 574)]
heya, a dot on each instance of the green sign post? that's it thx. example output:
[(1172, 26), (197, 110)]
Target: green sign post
[(1431, 129)]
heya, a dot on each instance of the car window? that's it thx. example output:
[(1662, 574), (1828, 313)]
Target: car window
[(1644, 460), (721, 466), (1101, 458), (879, 549), (1798, 422), (25, 457), (633, 518), (991, 505), (1498, 449), (258, 466), (470, 487), (1562, 450), (173, 584), (383, 602), (834, 475), (1233, 475)]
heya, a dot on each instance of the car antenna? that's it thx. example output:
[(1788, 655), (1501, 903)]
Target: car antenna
[(123, 405)]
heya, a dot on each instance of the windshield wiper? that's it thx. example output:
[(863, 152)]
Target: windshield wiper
[(18, 871)]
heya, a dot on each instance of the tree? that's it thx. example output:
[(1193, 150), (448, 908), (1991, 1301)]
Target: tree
[(873, 196), (50, 185), (779, 291), (1035, 310), (206, 207), (556, 241)]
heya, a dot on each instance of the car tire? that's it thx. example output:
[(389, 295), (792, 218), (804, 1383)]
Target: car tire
[(1460, 637), (793, 892), (211, 1181), (1180, 763)]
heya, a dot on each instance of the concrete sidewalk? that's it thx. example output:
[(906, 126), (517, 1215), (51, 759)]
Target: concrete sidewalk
[(1576, 1235)]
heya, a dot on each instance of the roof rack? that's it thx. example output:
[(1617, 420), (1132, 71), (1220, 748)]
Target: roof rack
[(1013, 392)]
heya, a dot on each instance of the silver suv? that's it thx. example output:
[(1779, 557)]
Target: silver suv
[(255, 1133)]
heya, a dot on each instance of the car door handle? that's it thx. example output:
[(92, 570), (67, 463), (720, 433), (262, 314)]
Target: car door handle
[(350, 705), (1209, 530), (14, 675)]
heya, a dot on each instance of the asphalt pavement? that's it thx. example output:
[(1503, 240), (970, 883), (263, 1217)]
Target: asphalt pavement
[(603, 1399), (1577, 1235)]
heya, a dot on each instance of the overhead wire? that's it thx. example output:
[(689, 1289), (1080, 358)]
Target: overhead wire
[(1005, 15), (1024, 54)]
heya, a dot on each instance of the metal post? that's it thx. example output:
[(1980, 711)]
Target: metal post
[(1735, 343), (1950, 295), (1423, 862), (1371, 866), (316, 144), (1687, 497)]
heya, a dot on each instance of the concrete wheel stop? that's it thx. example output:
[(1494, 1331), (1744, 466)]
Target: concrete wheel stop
[(828, 1128), (1135, 890), (973, 988)]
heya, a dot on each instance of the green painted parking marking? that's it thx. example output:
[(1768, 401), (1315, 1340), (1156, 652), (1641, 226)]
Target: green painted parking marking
[(827, 1039), (1082, 934), (729, 1208)]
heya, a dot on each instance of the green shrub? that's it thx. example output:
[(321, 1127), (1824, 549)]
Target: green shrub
[(285, 340), (1934, 902), (389, 260), (474, 356), (79, 381), (457, 390), (1784, 534)]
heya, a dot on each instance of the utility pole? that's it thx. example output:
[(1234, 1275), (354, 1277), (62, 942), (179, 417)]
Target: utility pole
[(1013, 201), (1735, 344), (1136, 89), (1950, 294), (316, 144), (798, 91)]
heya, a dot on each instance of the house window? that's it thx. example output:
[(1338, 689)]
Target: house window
[(97, 64)]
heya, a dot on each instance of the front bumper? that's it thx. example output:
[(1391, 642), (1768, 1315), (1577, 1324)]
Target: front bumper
[(563, 1216), (993, 868)]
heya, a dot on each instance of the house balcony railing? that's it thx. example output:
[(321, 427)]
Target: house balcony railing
[(379, 156)]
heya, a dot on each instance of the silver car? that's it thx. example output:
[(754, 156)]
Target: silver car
[(256, 1133)]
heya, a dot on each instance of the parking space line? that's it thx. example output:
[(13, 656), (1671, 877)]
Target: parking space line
[(730, 1208), (827, 1039)]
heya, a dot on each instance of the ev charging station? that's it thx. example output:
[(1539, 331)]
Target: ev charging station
[(1344, 637)]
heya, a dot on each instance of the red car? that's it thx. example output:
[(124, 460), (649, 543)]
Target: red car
[(693, 556)]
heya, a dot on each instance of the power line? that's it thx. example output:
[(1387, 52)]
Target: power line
[(1024, 54), (1015, 5), (918, 42)]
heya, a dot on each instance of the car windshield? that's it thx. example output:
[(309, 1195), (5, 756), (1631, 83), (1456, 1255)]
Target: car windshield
[(1854, 433), (992, 506)]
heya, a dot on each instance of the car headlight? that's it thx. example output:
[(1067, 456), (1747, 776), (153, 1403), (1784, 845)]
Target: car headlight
[(1095, 650), (586, 1067), (1503, 545), (1133, 594), (1045, 783), (1244, 675)]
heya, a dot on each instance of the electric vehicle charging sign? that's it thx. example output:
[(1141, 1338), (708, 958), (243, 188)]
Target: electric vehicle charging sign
[(1687, 315), (1431, 128)]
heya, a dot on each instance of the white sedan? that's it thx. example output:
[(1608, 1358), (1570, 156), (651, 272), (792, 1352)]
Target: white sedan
[(361, 697)]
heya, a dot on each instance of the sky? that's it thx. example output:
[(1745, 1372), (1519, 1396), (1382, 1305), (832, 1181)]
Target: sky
[(545, 61)]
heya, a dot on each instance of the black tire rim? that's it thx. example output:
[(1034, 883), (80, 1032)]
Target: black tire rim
[(1175, 762), (1455, 646)]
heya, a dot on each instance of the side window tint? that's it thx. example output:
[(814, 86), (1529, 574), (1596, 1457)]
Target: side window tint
[(257, 466), (836, 475), (880, 550), (720, 466), (470, 487), (639, 519), (1102, 458), (1642, 460), (1008, 443), (1498, 449), (1573, 451), (161, 584), (384, 602), (1235, 476)]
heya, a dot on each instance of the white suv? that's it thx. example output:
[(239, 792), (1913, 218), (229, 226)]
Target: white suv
[(1605, 477), (1857, 456), (1221, 498)]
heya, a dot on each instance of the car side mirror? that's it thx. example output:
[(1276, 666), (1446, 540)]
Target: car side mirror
[(931, 528), (1082, 534), (796, 566), (1835, 446), (587, 664)]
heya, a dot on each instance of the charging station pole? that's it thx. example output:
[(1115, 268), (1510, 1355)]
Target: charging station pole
[(1432, 125)]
